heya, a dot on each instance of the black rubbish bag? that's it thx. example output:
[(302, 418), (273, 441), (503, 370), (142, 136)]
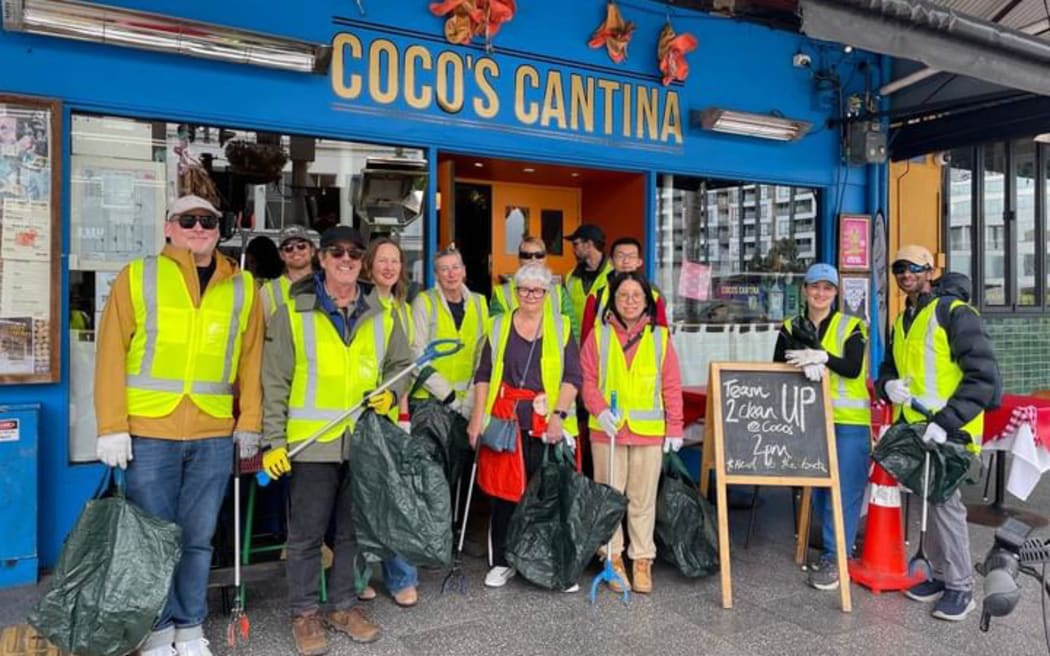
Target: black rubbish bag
[(399, 495), (448, 429), (560, 522), (112, 578), (901, 452), (686, 535)]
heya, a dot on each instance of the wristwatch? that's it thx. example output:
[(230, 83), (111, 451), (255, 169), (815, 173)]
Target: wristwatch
[(564, 414)]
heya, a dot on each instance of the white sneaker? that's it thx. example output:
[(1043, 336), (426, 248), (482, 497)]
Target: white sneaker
[(196, 647), (163, 650), (575, 587), (498, 576)]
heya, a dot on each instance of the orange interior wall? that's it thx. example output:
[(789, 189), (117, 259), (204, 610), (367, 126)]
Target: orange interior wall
[(619, 209), (915, 213)]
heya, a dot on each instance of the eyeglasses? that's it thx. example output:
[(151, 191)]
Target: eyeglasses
[(625, 257), (630, 298), (531, 292), (338, 252), (187, 221), (295, 246), (901, 266), (531, 255), (448, 268)]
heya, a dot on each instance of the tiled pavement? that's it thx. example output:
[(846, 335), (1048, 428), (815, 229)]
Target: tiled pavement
[(774, 612)]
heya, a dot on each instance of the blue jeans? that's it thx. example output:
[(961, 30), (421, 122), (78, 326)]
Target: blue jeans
[(853, 444), (399, 574), (183, 481)]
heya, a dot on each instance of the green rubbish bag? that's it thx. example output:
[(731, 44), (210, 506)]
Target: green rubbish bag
[(112, 578), (448, 429), (901, 452), (686, 535), (560, 522), (399, 494)]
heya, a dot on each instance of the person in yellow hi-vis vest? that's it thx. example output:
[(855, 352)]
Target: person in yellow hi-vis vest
[(178, 332), (384, 268), (939, 354), (322, 356), (450, 311), (531, 250), (296, 245), (591, 272), (630, 355), (840, 352)]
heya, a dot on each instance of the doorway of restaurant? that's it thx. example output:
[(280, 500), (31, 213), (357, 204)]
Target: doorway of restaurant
[(492, 204)]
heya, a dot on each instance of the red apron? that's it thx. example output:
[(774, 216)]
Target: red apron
[(502, 474)]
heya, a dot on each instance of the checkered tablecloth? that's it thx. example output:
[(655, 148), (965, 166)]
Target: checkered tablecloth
[(1022, 427)]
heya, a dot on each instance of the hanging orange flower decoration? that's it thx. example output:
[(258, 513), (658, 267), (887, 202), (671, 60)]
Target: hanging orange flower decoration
[(671, 51), (614, 33), (468, 19)]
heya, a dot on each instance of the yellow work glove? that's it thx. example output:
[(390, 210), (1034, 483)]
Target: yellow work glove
[(276, 463), (382, 402)]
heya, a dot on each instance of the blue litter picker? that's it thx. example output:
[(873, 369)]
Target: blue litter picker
[(608, 574), (438, 348)]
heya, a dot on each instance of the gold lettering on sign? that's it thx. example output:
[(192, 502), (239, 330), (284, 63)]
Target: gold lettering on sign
[(672, 123), (450, 82), (417, 98), (345, 45), (581, 107), (609, 87), (488, 106), (553, 101), (526, 113), (383, 88), (648, 101)]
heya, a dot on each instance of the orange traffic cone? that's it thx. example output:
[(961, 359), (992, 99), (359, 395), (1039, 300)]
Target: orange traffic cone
[(882, 564)]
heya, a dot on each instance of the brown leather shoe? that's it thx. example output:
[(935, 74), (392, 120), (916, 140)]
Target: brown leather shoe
[(354, 623), (642, 575), (617, 563), (407, 597), (310, 638)]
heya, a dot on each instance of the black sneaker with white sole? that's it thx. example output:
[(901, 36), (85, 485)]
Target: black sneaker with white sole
[(824, 574), (926, 591), (954, 605)]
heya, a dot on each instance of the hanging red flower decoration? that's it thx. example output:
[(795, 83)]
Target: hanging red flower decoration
[(671, 51), (468, 19), (614, 33)]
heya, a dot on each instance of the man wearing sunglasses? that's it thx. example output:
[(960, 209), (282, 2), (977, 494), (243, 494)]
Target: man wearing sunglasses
[(505, 297), (326, 349), (296, 247), (938, 353), (179, 330)]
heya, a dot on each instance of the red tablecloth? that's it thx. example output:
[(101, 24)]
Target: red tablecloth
[(1001, 422), (694, 403)]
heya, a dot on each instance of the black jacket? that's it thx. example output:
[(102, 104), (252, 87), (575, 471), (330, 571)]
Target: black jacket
[(971, 350)]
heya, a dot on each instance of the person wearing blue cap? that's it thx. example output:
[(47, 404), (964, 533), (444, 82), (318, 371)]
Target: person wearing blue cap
[(824, 342)]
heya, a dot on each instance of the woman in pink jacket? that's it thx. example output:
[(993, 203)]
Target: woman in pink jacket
[(631, 357)]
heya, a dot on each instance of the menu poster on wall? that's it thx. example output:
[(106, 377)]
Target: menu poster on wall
[(16, 346), (26, 230)]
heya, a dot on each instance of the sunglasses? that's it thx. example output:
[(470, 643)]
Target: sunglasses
[(295, 246), (531, 255), (187, 221), (338, 252), (531, 292), (900, 267)]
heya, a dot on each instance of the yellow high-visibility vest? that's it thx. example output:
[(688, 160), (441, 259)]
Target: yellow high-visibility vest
[(850, 402), (330, 376), (393, 308), (639, 388), (275, 294), (925, 355), (180, 349), (457, 368), (578, 295), (556, 335)]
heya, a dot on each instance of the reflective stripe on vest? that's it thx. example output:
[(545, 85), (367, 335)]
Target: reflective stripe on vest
[(276, 292), (200, 350), (644, 417), (458, 368), (555, 336), (578, 295), (850, 401)]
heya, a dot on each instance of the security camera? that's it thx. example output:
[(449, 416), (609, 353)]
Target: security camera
[(801, 60)]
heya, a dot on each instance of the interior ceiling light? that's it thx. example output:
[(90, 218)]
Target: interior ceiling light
[(763, 126), (84, 21), (478, 164), (529, 170)]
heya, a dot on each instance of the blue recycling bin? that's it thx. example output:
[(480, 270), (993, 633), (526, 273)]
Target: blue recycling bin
[(18, 494)]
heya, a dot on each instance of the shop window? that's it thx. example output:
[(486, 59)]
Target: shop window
[(124, 173), (515, 226), (731, 274), (1023, 246), (551, 224), (994, 224)]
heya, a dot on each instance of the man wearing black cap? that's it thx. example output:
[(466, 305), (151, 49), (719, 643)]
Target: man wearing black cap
[(591, 272), (296, 245), (324, 351)]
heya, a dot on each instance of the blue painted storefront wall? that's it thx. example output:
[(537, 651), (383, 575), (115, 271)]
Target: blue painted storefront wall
[(737, 66)]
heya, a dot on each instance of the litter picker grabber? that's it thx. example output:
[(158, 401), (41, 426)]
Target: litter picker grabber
[(608, 574), (455, 577), (438, 348), (919, 562), (239, 627)]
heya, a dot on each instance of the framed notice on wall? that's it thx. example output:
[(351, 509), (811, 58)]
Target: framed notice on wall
[(30, 240), (854, 242)]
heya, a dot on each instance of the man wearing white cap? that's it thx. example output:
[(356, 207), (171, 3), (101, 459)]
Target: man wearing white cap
[(938, 354), (179, 330), (297, 248)]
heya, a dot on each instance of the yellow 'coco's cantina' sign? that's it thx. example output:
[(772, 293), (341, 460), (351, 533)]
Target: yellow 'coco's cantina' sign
[(385, 74)]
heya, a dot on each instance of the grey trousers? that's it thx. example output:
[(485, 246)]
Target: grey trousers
[(948, 544)]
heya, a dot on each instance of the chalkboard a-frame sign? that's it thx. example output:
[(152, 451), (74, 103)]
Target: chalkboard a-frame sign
[(769, 425)]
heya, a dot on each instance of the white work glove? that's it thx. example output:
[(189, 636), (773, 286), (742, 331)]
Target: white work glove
[(814, 372), (802, 357), (114, 450), (934, 433), (247, 443), (898, 391), (608, 423), (405, 425), (570, 441), (672, 444)]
